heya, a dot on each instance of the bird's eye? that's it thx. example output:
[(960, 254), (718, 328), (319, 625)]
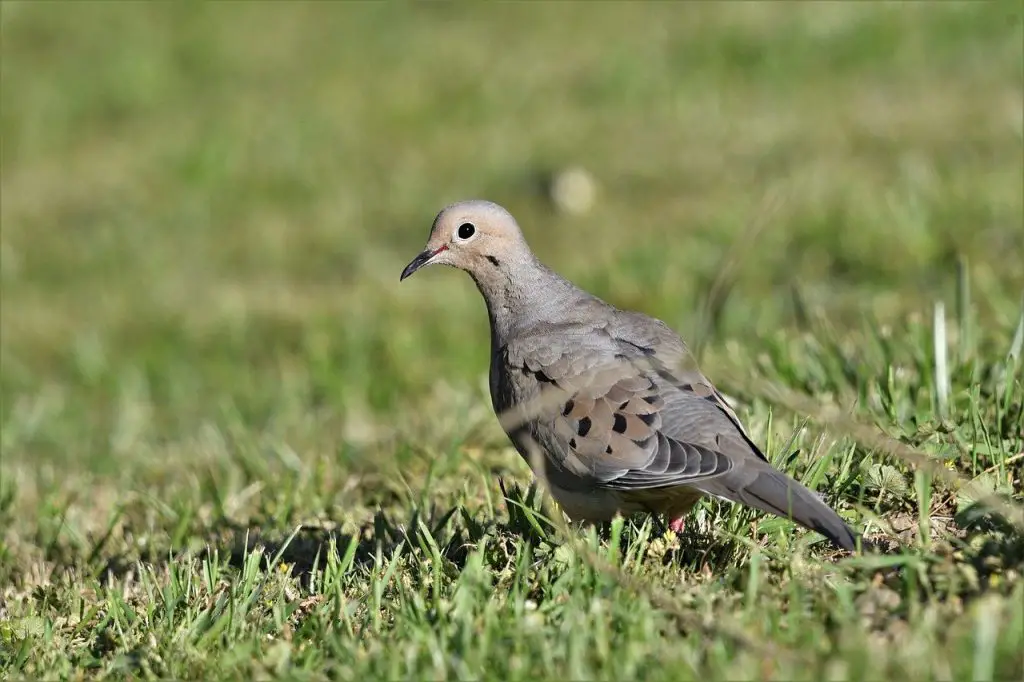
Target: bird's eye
[(466, 230)]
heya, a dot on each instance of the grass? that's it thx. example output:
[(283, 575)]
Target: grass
[(233, 445)]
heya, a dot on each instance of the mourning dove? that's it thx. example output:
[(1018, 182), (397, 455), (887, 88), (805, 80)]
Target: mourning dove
[(602, 399)]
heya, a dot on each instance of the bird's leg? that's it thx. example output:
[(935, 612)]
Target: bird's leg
[(657, 520)]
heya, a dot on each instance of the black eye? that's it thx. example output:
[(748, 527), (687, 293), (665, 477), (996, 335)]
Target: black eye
[(466, 230)]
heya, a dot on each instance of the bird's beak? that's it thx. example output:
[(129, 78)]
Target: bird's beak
[(420, 260)]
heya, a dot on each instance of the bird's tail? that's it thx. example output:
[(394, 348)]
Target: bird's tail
[(758, 485)]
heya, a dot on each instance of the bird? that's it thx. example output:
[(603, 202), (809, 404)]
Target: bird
[(606, 405)]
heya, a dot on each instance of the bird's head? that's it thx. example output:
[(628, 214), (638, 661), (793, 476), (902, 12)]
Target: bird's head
[(477, 236)]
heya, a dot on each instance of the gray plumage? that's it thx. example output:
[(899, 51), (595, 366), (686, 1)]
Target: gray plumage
[(622, 423)]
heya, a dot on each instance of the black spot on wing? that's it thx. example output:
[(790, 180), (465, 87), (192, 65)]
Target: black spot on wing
[(539, 375), (620, 424), (568, 408), (584, 426)]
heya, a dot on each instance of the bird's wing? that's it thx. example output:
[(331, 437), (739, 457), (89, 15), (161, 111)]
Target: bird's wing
[(625, 416)]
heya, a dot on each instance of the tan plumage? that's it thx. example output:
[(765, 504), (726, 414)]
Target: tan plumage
[(622, 422)]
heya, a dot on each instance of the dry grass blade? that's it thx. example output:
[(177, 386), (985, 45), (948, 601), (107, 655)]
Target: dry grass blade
[(717, 294)]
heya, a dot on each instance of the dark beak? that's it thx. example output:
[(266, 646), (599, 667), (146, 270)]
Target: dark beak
[(419, 261)]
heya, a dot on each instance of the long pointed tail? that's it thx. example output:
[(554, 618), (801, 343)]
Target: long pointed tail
[(756, 484)]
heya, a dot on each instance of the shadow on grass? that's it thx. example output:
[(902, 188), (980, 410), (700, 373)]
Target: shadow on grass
[(454, 532), (986, 547), (449, 533), (991, 544)]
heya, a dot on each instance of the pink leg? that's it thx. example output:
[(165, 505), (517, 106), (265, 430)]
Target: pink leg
[(677, 525)]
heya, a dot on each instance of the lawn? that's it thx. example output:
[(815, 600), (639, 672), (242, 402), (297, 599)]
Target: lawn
[(234, 446)]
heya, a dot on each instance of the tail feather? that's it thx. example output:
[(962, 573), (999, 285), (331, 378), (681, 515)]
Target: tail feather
[(759, 486)]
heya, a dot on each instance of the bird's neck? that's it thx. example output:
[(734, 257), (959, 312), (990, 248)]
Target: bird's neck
[(523, 294)]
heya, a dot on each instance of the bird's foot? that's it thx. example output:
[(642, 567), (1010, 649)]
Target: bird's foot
[(677, 525)]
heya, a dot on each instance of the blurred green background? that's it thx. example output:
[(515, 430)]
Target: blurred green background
[(209, 205)]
